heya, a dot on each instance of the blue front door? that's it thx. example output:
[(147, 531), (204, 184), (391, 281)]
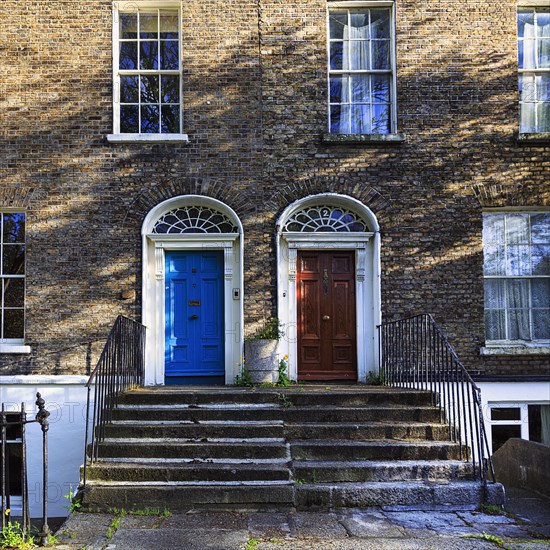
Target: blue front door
[(194, 318)]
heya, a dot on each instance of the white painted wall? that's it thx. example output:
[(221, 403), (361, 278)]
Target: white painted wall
[(65, 398)]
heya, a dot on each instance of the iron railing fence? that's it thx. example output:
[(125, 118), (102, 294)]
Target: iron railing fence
[(414, 353), (13, 467), (120, 367)]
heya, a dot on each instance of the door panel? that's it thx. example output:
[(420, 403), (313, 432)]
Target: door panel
[(194, 352), (326, 316)]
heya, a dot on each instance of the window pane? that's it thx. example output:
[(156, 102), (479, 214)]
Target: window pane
[(14, 227), (543, 117), (493, 229), (129, 89), (129, 119), (518, 324), (517, 293), (360, 88), (170, 86), (505, 413), (13, 323), (540, 293), (501, 434), (527, 118), (495, 328), (543, 87), (169, 55), (339, 89), (540, 255), (150, 119), (128, 25), (541, 324), (148, 52), (380, 119), (14, 292), (544, 54), (148, 25), (380, 88), (360, 119), (533, 415), (13, 259), (128, 56), (336, 50), (381, 54), (150, 89), (526, 18), (337, 23), (359, 25), (517, 229), (493, 260), (339, 119), (494, 294), (517, 260), (169, 25), (170, 119), (540, 228), (359, 55), (380, 24)]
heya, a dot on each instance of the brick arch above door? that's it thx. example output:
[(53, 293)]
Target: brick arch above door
[(239, 201), (366, 194)]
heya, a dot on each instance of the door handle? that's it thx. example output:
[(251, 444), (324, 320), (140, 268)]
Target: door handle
[(326, 317), (194, 316)]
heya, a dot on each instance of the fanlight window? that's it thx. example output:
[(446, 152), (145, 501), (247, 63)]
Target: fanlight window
[(194, 219), (325, 219)]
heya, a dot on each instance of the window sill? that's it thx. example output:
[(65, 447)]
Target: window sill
[(367, 139), (147, 138), (14, 348), (519, 349), (539, 137)]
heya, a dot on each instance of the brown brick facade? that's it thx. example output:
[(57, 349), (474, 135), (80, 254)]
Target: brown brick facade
[(255, 110)]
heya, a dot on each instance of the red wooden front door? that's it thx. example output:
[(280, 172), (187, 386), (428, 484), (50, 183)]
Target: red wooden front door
[(326, 316)]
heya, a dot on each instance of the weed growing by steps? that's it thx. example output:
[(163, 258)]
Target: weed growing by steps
[(252, 544), (74, 501), (11, 536), (121, 512), (284, 400)]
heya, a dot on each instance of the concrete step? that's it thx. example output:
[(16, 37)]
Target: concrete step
[(300, 430), (265, 495), (319, 471), (427, 494), (344, 396), (182, 496), (373, 450), (291, 414), (176, 448), (195, 430), (193, 471), (362, 431)]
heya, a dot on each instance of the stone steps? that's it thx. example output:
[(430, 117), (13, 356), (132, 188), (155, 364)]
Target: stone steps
[(301, 447)]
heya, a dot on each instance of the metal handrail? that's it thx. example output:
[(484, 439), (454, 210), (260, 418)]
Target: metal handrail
[(414, 353), (120, 367)]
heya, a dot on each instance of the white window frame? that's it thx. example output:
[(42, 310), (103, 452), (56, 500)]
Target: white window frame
[(135, 6), (524, 346), (335, 6), (13, 345), (535, 6)]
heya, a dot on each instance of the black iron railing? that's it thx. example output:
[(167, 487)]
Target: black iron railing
[(120, 367), (414, 353), (13, 468)]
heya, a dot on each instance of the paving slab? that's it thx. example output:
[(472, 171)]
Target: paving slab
[(370, 523), (178, 539), (311, 524), (269, 525), (426, 523)]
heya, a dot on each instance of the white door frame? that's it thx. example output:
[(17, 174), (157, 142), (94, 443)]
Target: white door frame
[(153, 283), (367, 278)]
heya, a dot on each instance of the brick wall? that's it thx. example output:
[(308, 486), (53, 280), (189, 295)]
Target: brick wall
[(255, 109)]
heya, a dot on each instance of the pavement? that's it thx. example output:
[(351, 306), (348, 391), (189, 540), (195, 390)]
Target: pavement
[(524, 525)]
